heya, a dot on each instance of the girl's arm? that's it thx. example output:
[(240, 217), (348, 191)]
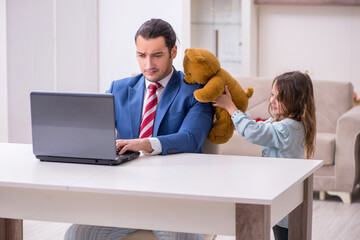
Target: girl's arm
[(262, 133), (269, 134)]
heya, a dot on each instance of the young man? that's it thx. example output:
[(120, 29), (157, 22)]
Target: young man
[(172, 122)]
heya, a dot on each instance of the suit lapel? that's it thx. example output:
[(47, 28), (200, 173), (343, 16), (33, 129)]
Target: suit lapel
[(136, 99), (168, 96)]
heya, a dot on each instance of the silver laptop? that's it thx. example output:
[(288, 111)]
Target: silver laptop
[(75, 128)]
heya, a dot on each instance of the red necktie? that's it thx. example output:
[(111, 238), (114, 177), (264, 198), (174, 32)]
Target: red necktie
[(146, 128)]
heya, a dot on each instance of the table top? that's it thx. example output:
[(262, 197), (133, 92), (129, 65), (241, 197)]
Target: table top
[(220, 178)]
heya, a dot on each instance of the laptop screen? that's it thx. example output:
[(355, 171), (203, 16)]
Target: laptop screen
[(76, 125)]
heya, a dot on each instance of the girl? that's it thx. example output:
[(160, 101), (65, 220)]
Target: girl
[(289, 133)]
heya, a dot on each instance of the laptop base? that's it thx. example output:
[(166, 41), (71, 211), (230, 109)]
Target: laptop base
[(119, 160)]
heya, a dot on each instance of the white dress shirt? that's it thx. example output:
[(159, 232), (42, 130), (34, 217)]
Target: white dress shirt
[(155, 142)]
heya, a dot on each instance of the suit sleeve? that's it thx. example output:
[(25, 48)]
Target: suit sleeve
[(194, 129)]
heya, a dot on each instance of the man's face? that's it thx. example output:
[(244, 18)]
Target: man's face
[(154, 58)]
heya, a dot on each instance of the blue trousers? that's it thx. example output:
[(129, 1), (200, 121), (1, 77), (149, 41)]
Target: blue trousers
[(85, 232)]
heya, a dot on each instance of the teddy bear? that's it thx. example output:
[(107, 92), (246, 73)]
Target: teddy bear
[(202, 67)]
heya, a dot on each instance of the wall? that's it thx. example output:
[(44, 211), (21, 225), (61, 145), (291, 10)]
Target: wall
[(3, 75), (321, 39), (52, 46), (118, 23)]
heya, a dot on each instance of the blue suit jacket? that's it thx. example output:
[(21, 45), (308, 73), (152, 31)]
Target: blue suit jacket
[(181, 122)]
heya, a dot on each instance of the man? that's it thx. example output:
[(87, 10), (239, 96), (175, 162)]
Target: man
[(162, 119), (181, 123)]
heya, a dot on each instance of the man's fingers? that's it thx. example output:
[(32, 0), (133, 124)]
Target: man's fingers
[(123, 150), (121, 143)]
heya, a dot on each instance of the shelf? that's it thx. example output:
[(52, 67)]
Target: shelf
[(224, 61), (216, 23), (310, 2)]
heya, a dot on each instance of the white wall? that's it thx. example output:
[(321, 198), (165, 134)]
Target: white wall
[(3, 75), (76, 45), (249, 24), (118, 23), (30, 60), (52, 45), (321, 39)]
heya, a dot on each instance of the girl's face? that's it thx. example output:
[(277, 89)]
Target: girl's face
[(277, 107)]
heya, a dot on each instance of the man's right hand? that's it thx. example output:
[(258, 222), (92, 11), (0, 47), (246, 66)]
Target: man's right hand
[(134, 145)]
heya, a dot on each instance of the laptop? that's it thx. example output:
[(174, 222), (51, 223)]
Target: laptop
[(75, 128)]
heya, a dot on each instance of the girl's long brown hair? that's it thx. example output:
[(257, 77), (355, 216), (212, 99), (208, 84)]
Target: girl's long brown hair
[(296, 94)]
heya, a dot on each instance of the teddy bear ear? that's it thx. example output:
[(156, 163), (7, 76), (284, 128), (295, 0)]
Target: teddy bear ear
[(194, 55)]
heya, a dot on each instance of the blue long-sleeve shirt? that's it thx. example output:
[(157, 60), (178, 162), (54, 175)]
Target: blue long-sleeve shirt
[(283, 139)]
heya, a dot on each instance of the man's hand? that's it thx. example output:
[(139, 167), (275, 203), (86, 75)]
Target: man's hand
[(134, 145)]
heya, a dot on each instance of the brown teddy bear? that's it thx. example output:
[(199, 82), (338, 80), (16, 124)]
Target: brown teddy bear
[(202, 67)]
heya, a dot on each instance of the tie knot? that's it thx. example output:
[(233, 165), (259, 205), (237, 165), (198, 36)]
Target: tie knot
[(154, 86)]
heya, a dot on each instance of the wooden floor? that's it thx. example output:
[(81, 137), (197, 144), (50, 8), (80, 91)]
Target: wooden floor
[(331, 220)]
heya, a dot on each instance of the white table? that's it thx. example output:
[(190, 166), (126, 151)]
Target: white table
[(215, 194)]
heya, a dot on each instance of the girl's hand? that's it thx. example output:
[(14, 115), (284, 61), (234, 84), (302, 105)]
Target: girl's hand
[(225, 101)]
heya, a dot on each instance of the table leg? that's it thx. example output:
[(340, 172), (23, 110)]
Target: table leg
[(300, 219), (11, 229), (252, 221), (2, 229)]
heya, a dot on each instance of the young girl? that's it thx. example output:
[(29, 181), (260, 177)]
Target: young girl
[(289, 133)]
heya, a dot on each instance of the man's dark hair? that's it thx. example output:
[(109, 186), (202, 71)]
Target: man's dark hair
[(155, 28)]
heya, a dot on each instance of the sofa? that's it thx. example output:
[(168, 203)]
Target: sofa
[(337, 136)]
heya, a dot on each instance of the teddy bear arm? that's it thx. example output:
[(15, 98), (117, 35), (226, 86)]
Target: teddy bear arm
[(239, 96), (211, 91)]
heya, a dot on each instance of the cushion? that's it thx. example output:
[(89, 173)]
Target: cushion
[(332, 99), (259, 102), (325, 147), (238, 145)]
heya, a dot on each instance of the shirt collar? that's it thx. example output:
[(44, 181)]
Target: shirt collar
[(163, 81)]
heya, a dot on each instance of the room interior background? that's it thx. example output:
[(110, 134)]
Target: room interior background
[(83, 45)]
